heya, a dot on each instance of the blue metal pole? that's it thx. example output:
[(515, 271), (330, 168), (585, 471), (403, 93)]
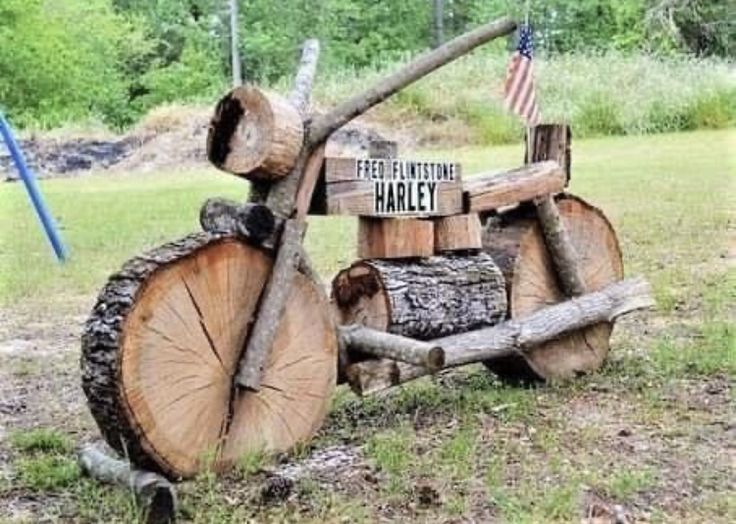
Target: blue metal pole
[(47, 221)]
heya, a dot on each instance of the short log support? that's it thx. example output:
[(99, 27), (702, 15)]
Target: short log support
[(512, 336), (154, 494)]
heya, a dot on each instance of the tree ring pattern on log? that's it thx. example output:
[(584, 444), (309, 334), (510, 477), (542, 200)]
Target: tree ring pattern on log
[(158, 365), (515, 241)]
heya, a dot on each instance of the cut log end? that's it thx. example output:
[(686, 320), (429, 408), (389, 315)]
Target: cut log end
[(162, 346), (255, 134), (515, 242)]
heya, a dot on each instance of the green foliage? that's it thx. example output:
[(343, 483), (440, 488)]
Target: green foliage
[(41, 439), (47, 472)]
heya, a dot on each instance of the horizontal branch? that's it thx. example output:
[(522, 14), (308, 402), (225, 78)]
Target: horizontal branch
[(382, 344), (323, 126), (154, 494), (513, 336)]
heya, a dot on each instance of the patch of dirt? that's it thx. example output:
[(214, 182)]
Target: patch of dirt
[(169, 138)]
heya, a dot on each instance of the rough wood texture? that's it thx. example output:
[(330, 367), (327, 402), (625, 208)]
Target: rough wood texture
[(301, 94), (161, 348), (422, 299), (458, 233), (272, 306), (491, 191), (350, 194), (514, 337), (395, 238), (550, 142), (255, 134), (155, 496), (312, 172), (515, 242), (562, 252), (366, 341), (324, 125), (254, 222)]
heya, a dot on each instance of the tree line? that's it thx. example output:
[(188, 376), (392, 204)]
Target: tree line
[(67, 60)]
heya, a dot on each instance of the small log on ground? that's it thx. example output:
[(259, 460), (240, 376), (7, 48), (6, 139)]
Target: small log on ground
[(490, 191), (252, 221), (516, 243), (550, 142), (457, 233), (513, 337), (381, 344), (422, 299), (395, 237), (255, 134), (154, 494)]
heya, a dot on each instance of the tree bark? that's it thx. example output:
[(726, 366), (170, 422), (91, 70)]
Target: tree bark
[(513, 336), (254, 222), (381, 344), (235, 59), (422, 299), (154, 494), (255, 134), (272, 306)]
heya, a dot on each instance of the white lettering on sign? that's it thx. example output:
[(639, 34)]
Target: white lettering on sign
[(405, 186)]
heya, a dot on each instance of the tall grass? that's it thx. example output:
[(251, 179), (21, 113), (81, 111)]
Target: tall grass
[(601, 94)]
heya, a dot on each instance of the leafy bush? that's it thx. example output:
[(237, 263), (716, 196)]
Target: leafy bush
[(598, 94)]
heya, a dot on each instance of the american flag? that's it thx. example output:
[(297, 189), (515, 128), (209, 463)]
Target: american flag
[(519, 93)]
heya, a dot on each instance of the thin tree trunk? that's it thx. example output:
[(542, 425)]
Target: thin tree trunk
[(235, 45)]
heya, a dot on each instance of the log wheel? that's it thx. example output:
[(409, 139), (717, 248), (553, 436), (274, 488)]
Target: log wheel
[(515, 241), (163, 343)]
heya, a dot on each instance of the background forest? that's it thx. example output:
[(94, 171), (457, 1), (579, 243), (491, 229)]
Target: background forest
[(70, 61)]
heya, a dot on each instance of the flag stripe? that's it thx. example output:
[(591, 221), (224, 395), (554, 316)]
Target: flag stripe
[(519, 89)]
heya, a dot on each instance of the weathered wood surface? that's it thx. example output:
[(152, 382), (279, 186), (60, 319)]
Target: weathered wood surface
[(422, 299), (458, 233), (255, 134), (366, 341), (562, 252), (515, 242), (550, 142), (354, 185), (324, 125), (162, 345), (155, 496), (513, 337), (254, 222), (272, 306), (395, 238), (491, 191)]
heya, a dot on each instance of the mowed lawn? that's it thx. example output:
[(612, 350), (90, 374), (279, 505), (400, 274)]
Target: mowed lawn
[(653, 432)]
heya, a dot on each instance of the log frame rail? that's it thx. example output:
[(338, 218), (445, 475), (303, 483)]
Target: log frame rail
[(297, 187)]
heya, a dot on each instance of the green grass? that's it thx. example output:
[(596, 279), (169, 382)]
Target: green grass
[(519, 455), (42, 439), (599, 94)]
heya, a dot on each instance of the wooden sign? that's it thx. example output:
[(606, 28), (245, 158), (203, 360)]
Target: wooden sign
[(392, 187)]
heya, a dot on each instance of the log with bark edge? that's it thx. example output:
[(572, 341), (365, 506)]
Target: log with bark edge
[(515, 242), (162, 345), (513, 337), (424, 298), (255, 134)]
